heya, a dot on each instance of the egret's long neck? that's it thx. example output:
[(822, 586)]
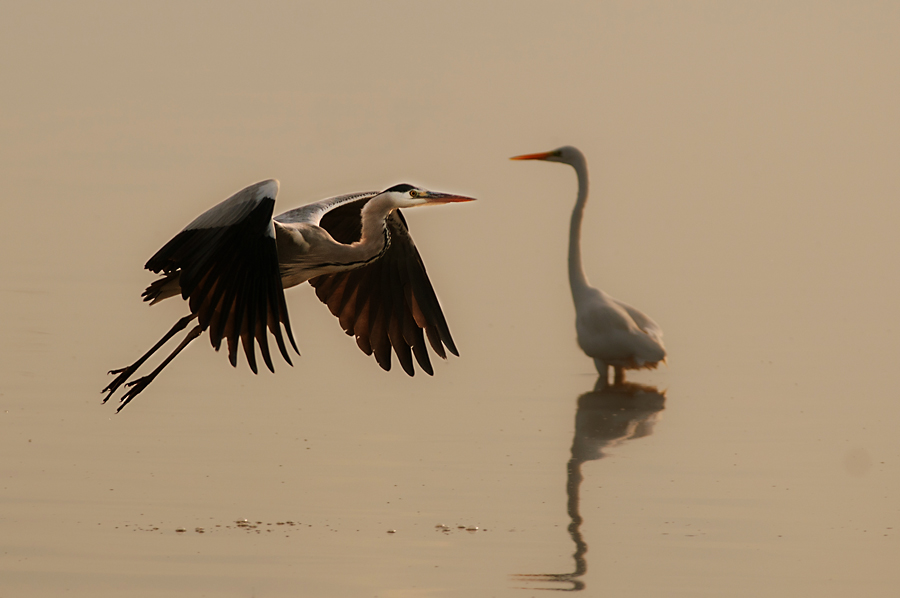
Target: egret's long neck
[(577, 279)]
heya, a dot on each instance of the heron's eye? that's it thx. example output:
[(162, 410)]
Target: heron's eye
[(413, 193)]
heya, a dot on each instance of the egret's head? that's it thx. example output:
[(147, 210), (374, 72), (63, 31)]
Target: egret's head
[(408, 196), (565, 154)]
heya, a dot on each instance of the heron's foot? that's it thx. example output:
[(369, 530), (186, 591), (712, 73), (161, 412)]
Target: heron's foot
[(123, 375), (134, 389), (143, 382)]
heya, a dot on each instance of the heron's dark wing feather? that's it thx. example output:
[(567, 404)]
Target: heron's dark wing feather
[(388, 303), (227, 267), (344, 222)]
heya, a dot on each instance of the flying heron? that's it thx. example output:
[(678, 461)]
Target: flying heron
[(613, 333), (233, 262)]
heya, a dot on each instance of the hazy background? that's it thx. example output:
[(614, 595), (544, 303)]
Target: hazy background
[(744, 162)]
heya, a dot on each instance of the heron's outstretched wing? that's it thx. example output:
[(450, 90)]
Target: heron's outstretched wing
[(389, 302), (226, 265)]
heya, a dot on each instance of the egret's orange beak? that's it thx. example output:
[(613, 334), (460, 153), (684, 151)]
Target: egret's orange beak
[(540, 156)]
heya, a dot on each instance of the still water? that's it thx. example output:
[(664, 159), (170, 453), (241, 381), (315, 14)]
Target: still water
[(744, 187)]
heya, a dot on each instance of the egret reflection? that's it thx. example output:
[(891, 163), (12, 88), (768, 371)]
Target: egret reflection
[(606, 417)]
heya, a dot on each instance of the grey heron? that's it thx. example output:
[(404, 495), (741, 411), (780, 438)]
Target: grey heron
[(611, 332), (233, 262)]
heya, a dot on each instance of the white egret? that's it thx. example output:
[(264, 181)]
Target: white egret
[(611, 332)]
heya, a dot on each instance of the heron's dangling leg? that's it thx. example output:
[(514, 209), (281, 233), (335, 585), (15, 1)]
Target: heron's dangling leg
[(620, 375), (135, 388), (125, 373), (603, 370)]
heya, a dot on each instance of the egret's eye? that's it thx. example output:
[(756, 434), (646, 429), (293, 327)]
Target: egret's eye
[(413, 193)]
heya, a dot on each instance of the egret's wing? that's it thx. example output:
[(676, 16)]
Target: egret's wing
[(226, 264), (388, 303), (643, 321)]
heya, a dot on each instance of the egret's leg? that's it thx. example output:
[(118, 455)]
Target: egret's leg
[(603, 370), (125, 373), (620, 375), (135, 388)]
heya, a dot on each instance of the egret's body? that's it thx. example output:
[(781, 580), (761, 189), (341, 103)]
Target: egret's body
[(611, 332), (233, 262)]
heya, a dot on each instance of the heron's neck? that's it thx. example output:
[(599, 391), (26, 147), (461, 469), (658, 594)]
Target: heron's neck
[(306, 251), (375, 238), (577, 279), (374, 228), (373, 242)]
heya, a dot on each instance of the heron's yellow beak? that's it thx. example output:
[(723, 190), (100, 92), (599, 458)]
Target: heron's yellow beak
[(437, 197)]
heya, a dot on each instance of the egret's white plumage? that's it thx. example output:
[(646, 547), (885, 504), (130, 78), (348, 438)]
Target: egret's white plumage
[(613, 333), (233, 262)]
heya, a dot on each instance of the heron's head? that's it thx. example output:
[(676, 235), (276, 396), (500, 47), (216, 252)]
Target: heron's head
[(408, 196), (565, 154)]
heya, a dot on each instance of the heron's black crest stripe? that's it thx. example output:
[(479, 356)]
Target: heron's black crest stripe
[(401, 188)]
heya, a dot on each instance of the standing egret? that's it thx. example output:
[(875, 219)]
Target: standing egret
[(613, 333), (233, 262)]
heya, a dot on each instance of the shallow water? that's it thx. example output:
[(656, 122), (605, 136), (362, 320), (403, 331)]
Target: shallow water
[(743, 165)]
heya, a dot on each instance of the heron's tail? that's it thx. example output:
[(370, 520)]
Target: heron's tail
[(163, 288)]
